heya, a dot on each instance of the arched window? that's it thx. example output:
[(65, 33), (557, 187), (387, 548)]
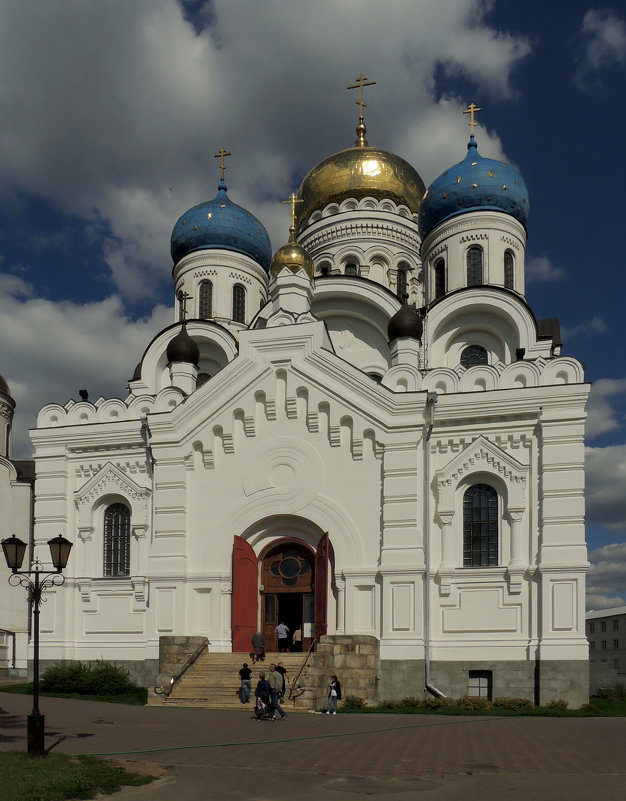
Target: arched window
[(472, 355), (325, 269), (117, 540), (205, 306), (402, 288), (239, 304), (474, 266), (439, 271), (509, 271), (351, 269), (202, 379), (480, 526)]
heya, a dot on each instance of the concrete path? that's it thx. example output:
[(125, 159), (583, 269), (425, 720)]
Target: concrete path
[(223, 754)]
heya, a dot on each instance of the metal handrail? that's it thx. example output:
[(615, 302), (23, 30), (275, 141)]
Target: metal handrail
[(12, 635), (294, 683), (166, 690)]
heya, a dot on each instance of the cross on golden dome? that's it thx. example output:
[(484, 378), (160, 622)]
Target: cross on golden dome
[(471, 110), (221, 154), (291, 201), (361, 130)]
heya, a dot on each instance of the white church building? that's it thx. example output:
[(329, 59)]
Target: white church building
[(367, 433)]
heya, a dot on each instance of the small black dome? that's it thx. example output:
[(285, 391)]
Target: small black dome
[(183, 349), (406, 322), (137, 373), (4, 387)]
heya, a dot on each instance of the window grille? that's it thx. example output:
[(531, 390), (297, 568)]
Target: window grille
[(509, 272), (472, 355), (440, 278), (239, 304), (206, 301), (117, 540), (474, 266), (480, 526)]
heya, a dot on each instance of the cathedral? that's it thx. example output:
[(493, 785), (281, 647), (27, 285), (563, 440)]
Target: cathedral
[(366, 435)]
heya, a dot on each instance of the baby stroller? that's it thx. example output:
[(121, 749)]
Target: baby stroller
[(262, 709)]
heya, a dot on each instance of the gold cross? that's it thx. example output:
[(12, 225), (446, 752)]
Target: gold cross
[(471, 110), (220, 155), (293, 199), (361, 81)]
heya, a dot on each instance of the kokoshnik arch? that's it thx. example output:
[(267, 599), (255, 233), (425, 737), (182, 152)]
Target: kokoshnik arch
[(368, 432)]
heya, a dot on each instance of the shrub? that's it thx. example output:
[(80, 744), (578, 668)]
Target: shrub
[(391, 704), (411, 701), (588, 708), (557, 703), (353, 702), (101, 678), (475, 703), (616, 693), (431, 702), (516, 704)]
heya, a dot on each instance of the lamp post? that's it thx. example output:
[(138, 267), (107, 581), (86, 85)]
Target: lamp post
[(14, 550)]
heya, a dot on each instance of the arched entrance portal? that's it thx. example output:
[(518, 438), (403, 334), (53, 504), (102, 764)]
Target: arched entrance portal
[(288, 581)]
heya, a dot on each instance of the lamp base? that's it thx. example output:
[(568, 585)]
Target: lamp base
[(36, 733)]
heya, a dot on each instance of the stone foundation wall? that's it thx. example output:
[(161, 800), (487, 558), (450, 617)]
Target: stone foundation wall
[(173, 653), (355, 660)]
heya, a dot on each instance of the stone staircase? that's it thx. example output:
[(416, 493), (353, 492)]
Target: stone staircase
[(213, 682)]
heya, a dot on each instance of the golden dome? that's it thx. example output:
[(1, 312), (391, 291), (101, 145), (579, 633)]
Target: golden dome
[(360, 172), (294, 257)]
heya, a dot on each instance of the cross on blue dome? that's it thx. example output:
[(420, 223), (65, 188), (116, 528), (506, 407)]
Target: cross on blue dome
[(474, 184)]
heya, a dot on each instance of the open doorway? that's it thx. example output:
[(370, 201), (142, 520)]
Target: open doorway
[(287, 576)]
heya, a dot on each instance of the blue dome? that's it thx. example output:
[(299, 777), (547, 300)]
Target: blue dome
[(474, 184), (220, 223)]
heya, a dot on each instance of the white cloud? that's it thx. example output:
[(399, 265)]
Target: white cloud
[(51, 350), (604, 35), (594, 325), (602, 417), (606, 577), (127, 133), (605, 482), (541, 269)]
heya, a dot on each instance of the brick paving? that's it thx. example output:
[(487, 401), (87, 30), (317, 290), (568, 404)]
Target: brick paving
[(360, 745)]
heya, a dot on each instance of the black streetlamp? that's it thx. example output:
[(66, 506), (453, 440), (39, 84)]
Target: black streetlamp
[(14, 550)]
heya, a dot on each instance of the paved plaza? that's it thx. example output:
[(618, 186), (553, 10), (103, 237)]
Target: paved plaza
[(221, 754)]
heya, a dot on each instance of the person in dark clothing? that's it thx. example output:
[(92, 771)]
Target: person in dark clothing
[(258, 647), (280, 668), (246, 683), (334, 695), (262, 694)]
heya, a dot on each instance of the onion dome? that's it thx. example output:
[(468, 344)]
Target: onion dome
[(182, 348), (137, 373), (358, 172), (406, 322), (474, 184), (4, 387), (220, 223), (294, 257)]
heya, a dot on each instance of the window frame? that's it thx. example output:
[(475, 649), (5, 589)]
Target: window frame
[(475, 268), (239, 303), (509, 269), (482, 549), (116, 543), (439, 278), (202, 300)]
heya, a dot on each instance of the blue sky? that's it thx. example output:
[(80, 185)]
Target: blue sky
[(112, 113)]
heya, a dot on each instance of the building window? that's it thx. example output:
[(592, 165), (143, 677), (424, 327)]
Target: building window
[(604, 645), (474, 266), (615, 644), (480, 683), (117, 540), (239, 304), (402, 283), (603, 625), (351, 269), (592, 646), (202, 379), (325, 269), (205, 305), (616, 664), (473, 355), (592, 628), (509, 272), (439, 271), (616, 625), (480, 526)]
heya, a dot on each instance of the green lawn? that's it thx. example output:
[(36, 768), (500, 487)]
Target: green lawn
[(58, 777), (601, 708), (138, 697)]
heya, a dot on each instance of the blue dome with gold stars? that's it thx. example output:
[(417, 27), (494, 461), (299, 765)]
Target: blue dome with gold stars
[(220, 223), (474, 184)]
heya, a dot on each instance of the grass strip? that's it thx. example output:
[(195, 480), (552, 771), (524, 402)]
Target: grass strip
[(57, 777), (137, 697)]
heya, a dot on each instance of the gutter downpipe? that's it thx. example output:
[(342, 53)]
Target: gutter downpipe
[(145, 436), (431, 400)]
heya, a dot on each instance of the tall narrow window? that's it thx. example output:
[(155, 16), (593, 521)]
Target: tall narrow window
[(474, 266), (239, 304), (117, 540), (351, 269), (480, 526), (439, 271), (509, 272), (473, 355), (206, 300), (402, 283)]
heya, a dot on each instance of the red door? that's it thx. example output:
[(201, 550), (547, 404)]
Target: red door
[(321, 586), (245, 595)]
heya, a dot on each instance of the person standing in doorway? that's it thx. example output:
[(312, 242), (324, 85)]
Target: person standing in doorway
[(276, 683), (334, 695), (246, 683), (296, 641), (282, 633)]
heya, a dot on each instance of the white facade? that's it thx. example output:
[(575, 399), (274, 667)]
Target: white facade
[(313, 422)]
